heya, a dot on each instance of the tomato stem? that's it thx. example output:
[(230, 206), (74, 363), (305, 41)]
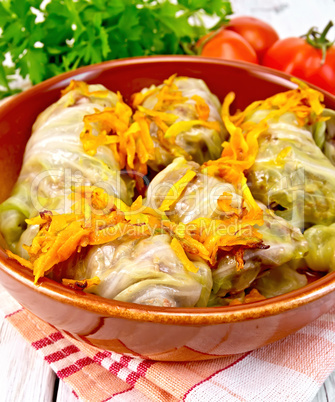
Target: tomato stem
[(325, 31), (188, 49), (319, 41)]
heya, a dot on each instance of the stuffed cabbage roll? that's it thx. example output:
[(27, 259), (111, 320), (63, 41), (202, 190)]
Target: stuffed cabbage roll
[(190, 193), (285, 243), (55, 160), (143, 271), (184, 120), (321, 246), (300, 186), (324, 135), (290, 174), (196, 198), (280, 280)]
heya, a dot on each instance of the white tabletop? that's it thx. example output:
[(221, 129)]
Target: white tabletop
[(24, 375)]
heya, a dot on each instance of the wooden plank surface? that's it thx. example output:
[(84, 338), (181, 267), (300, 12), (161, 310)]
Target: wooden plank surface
[(24, 375)]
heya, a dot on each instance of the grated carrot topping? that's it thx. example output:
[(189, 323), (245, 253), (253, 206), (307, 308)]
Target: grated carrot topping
[(181, 255), (169, 81), (50, 246), (169, 95), (129, 139), (304, 102), (144, 123), (232, 233), (176, 190), (83, 87), (224, 203), (240, 152), (201, 107), (168, 98), (167, 118), (253, 296), (60, 236), (20, 260), (183, 234), (99, 218), (181, 126), (138, 98)]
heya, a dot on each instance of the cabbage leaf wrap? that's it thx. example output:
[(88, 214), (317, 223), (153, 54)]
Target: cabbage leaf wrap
[(143, 271), (280, 280), (184, 120), (321, 248), (290, 173), (286, 243), (324, 135), (197, 198), (55, 161)]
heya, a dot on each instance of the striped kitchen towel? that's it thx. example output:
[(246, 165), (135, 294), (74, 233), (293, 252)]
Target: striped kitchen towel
[(292, 369)]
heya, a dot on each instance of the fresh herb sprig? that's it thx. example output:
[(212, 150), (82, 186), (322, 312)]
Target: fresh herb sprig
[(69, 34)]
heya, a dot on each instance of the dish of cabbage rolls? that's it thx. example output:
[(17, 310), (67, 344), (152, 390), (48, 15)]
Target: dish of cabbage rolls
[(171, 200)]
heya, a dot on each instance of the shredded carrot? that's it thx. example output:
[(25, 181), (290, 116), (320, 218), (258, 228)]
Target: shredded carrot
[(99, 218), (181, 126), (253, 296), (49, 248), (239, 154), (92, 223), (168, 98), (224, 203), (201, 107), (169, 95), (180, 253), (19, 259), (144, 131), (129, 140), (167, 118), (83, 88), (138, 98), (304, 102), (175, 191), (190, 244)]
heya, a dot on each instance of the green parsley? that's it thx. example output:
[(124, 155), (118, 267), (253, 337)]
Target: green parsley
[(66, 34)]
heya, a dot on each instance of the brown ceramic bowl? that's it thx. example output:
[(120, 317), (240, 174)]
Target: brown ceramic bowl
[(174, 334)]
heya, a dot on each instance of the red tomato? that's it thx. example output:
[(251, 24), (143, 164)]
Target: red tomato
[(295, 56), (260, 35), (324, 75), (227, 45)]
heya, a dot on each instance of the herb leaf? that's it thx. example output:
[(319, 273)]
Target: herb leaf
[(69, 34)]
